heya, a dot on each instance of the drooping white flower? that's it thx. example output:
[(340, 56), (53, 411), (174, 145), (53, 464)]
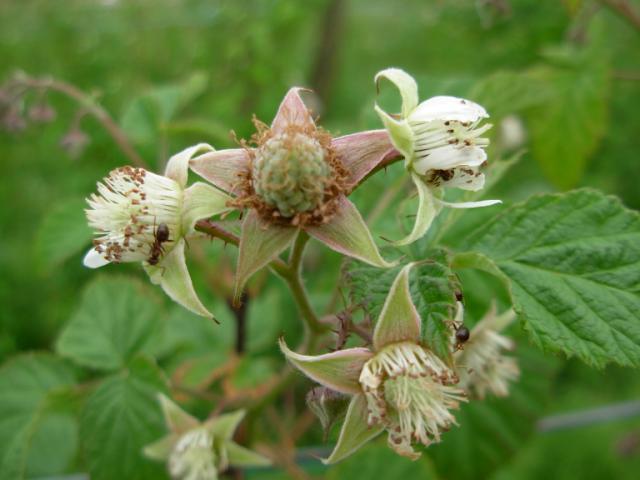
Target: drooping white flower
[(195, 450), (481, 365), (399, 385), (442, 143), (140, 216), (193, 457), (410, 391)]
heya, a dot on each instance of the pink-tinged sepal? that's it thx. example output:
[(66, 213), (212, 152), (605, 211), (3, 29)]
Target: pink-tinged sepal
[(347, 233), (223, 168), (362, 152), (399, 320), (292, 111), (259, 244), (339, 370), (355, 431)]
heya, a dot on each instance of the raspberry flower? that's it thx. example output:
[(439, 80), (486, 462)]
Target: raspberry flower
[(442, 144), (482, 367), (399, 385), (297, 177), (199, 451), (140, 216)]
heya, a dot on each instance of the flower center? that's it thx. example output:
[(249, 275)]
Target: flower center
[(290, 173), (409, 390), (193, 456), (136, 215)]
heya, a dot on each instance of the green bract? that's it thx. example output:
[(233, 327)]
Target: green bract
[(199, 451)]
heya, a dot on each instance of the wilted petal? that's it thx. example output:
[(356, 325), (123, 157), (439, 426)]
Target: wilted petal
[(178, 421), (448, 157), (292, 111), (202, 201), (405, 84), (224, 426), (448, 108), (172, 275), (427, 211), (362, 152), (347, 233), (93, 259), (178, 165), (161, 449), (339, 370), (399, 320), (259, 244), (355, 431), (466, 179), (222, 167), (243, 457)]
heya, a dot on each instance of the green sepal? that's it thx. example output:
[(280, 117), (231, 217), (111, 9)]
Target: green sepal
[(355, 431)]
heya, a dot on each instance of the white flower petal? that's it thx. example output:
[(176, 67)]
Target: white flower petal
[(448, 157), (93, 259), (448, 108), (481, 203), (466, 179)]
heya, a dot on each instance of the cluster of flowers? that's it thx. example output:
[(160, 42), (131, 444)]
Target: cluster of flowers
[(294, 176)]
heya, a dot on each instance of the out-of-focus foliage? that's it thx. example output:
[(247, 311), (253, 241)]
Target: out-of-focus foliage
[(560, 79)]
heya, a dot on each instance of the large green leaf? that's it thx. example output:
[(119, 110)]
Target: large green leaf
[(573, 265), (63, 232), (433, 290), (119, 419), (34, 421), (117, 318)]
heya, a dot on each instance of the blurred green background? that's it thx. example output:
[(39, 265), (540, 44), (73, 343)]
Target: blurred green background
[(561, 80)]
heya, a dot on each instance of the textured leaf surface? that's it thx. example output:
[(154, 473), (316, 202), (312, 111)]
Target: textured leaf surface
[(114, 322), (120, 418), (433, 290), (573, 261), (28, 384)]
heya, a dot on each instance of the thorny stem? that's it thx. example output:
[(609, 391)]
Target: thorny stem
[(290, 272), (91, 107)]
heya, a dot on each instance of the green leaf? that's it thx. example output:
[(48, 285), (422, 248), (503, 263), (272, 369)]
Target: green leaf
[(573, 264), (379, 461), (566, 130), (119, 419), (433, 290), (117, 318), (63, 233), (33, 422)]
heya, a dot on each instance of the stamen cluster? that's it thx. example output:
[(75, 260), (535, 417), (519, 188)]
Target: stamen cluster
[(130, 205), (410, 391)]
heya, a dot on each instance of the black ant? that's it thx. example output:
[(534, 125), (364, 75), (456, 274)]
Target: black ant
[(462, 332), (160, 235)]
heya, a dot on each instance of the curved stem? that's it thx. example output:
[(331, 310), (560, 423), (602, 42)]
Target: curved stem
[(92, 108)]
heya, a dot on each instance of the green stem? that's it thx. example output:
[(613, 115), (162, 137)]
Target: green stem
[(290, 272)]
